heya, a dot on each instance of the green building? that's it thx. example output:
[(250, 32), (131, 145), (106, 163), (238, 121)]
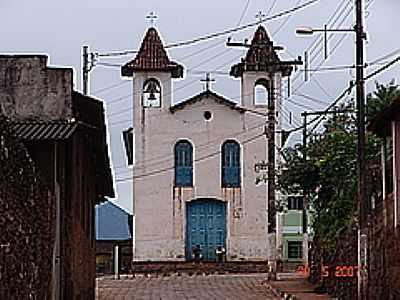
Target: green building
[(291, 237)]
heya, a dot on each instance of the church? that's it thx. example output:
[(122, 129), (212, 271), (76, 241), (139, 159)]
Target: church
[(195, 183)]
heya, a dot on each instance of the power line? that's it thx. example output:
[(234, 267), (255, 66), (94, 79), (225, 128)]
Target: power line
[(284, 22), (348, 90), (272, 7), (163, 158), (110, 87), (179, 88), (221, 33), (243, 13), (196, 160), (380, 70)]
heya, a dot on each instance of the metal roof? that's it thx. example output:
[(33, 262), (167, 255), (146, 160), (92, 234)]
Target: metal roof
[(34, 131), (112, 222)]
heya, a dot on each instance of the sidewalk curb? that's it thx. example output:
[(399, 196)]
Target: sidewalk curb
[(279, 293)]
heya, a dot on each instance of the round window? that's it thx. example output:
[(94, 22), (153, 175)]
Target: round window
[(207, 115)]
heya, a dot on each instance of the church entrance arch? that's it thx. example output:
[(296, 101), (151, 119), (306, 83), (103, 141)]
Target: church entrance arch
[(205, 227)]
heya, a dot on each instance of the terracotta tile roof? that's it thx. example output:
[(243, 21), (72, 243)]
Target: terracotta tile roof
[(259, 57), (152, 57), (204, 95)]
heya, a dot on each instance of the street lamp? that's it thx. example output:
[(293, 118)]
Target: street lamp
[(306, 30), (310, 30)]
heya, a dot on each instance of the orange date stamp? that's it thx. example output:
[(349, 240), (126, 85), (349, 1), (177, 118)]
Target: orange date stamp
[(335, 271)]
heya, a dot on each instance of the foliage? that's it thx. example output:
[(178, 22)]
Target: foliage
[(329, 176), (383, 96)]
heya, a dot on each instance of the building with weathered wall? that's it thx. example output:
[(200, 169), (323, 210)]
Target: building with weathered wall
[(27, 219), (384, 242), (65, 135), (194, 176)]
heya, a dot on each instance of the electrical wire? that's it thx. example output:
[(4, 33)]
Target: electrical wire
[(243, 13), (110, 87), (217, 34), (272, 7), (156, 172), (284, 22), (179, 88)]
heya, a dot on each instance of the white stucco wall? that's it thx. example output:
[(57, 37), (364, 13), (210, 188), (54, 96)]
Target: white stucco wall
[(160, 209)]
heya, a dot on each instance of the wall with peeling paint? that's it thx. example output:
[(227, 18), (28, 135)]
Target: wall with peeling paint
[(29, 90)]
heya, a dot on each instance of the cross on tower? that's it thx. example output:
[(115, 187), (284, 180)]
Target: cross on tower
[(208, 80), (152, 17), (260, 16)]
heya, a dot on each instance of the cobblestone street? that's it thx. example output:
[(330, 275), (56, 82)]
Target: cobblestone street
[(185, 287)]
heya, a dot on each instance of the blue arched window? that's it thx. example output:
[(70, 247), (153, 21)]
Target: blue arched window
[(230, 164), (183, 164)]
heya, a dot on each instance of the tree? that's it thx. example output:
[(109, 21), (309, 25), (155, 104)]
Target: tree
[(381, 98)]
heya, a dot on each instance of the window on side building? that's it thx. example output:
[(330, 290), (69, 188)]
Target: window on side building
[(295, 249), (295, 202), (230, 164), (183, 164)]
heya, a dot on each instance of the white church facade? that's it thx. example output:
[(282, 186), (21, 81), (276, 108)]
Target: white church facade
[(194, 179)]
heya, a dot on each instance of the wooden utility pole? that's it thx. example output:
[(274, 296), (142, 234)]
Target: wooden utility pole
[(360, 95), (305, 204), (85, 70), (363, 202), (271, 119), (88, 62)]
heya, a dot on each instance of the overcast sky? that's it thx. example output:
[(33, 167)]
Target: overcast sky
[(61, 28)]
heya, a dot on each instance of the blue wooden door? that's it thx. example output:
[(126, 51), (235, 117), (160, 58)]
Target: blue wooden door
[(206, 227)]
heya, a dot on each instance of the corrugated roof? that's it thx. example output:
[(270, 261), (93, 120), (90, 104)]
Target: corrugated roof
[(112, 222), (152, 57), (34, 131)]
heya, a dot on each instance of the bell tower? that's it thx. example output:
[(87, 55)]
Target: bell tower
[(261, 72), (152, 72)]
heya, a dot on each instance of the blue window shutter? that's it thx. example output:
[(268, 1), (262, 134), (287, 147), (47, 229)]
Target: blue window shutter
[(231, 164), (183, 164)]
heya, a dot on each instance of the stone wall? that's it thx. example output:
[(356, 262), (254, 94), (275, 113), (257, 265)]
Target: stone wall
[(27, 215), (384, 277), (336, 274)]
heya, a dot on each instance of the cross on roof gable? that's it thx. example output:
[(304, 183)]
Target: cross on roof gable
[(152, 56)]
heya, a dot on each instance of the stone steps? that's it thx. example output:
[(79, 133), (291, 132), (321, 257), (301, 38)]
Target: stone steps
[(198, 268)]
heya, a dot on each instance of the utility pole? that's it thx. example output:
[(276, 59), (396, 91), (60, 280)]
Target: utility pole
[(363, 202), (304, 115), (271, 66), (305, 192), (271, 119), (360, 94), (88, 62), (85, 69)]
